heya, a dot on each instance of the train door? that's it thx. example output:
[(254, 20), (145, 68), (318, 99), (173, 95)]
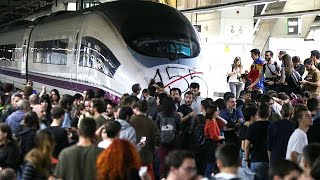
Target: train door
[(25, 53)]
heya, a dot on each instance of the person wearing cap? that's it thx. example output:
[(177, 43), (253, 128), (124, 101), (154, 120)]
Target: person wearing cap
[(311, 82), (315, 57)]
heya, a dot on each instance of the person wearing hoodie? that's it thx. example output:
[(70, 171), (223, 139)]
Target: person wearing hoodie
[(16, 117), (127, 131)]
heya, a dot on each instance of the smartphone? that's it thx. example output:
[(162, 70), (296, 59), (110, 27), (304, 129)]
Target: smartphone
[(143, 139), (143, 170)]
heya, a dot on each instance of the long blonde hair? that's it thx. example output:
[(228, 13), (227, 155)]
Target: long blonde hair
[(40, 155), (234, 65)]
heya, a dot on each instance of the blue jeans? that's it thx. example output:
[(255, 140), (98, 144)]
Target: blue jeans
[(236, 88), (261, 169), (209, 170)]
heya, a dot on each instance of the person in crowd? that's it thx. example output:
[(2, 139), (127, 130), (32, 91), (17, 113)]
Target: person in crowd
[(297, 65), (66, 103), (26, 133), (213, 136), (11, 107), (256, 143), (228, 162), (298, 139), (136, 89), (79, 161), (16, 117), (175, 94), (127, 132), (8, 174), (34, 100), (250, 113), (144, 94), (180, 165), (280, 55), (110, 110), (127, 101), (60, 134), (255, 70), (285, 169), (234, 77), (186, 112), (30, 83), (311, 153), (279, 133), (313, 132), (55, 97), (246, 97), (289, 81), (85, 112), (275, 108), (88, 94), (41, 112), (8, 90), (120, 160), (100, 94), (311, 82), (306, 95), (196, 103), (145, 127), (168, 121), (45, 102), (26, 92), (38, 161), (97, 107), (315, 57), (9, 150), (234, 117), (109, 132)]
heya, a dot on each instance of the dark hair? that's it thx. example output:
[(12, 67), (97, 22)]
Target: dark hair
[(264, 111), (269, 51), (209, 100), (287, 110), (99, 105), (100, 93), (256, 95), (112, 128), (311, 152), (295, 59), (211, 109), (220, 103), (227, 96), (136, 88), (142, 105), (228, 155), (299, 112), (249, 110), (152, 90), (125, 113), (144, 91), (282, 52), (282, 168), (188, 93), (168, 106), (255, 51), (308, 61), (90, 93), (312, 104), (77, 96), (87, 127), (66, 101), (205, 104), (176, 89), (315, 53), (46, 98), (57, 94), (194, 85), (57, 112), (31, 120), (264, 99), (5, 128), (127, 101), (176, 158), (272, 93), (8, 87), (283, 96)]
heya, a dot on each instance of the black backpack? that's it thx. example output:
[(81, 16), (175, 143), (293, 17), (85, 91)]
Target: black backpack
[(296, 78), (199, 135), (167, 129)]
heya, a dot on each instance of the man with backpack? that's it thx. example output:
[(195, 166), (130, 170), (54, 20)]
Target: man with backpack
[(311, 82)]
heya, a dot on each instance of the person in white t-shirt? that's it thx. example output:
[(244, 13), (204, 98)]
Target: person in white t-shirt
[(109, 132), (234, 77), (298, 140)]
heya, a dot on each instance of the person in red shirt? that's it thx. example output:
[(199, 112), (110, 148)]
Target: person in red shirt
[(212, 133)]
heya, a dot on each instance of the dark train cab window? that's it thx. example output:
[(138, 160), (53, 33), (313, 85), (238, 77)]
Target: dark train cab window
[(8, 52), (94, 54), (51, 51)]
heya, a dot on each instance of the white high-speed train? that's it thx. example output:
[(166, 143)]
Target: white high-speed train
[(110, 46)]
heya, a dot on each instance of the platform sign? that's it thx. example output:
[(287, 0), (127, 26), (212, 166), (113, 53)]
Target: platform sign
[(293, 26)]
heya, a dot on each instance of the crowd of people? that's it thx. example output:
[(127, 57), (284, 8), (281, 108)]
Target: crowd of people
[(269, 130)]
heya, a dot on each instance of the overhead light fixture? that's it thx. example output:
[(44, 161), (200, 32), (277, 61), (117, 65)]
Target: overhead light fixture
[(312, 12)]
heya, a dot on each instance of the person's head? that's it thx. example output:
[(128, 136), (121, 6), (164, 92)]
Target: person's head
[(122, 157), (8, 174), (5, 133), (287, 110), (168, 106), (40, 110), (305, 97), (227, 156), (152, 90), (283, 97), (125, 113), (296, 61), (45, 101), (87, 128), (112, 129), (250, 112), (255, 54), (31, 120), (237, 62), (308, 64), (78, 98), (188, 98), (100, 94), (288, 65), (29, 83), (194, 88), (285, 170), (220, 103), (268, 55), (110, 109), (140, 106), (27, 91), (256, 95), (8, 88), (97, 106), (34, 99), (136, 89), (264, 111), (246, 96), (127, 101), (303, 116), (280, 54), (204, 105), (15, 98), (87, 105), (231, 101), (266, 99), (55, 96), (23, 105), (66, 102), (175, 94), (57, 113), (180, 164), (313, 104), (212, 112), (160, 98), (88, 94), (310, 153), (315, 55)]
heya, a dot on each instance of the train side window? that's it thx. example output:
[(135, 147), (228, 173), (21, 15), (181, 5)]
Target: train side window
[(94, 54), (8, 52), (51, 51)]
